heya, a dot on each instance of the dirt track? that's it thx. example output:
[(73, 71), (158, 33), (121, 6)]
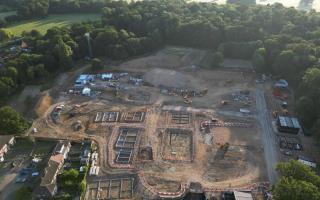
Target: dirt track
[(268, 136)]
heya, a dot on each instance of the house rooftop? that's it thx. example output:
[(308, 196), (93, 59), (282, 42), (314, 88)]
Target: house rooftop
[(289, 122), (107, 76), (4, 139), (242, 195), (51, 170), (61, 147)]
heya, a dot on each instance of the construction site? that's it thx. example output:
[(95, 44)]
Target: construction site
[(182, 129)]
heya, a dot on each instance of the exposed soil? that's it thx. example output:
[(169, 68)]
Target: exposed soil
[(223, 157)]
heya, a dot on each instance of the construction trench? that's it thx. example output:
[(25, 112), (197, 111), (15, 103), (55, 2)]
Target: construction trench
[(161, 148), (159, 152), (129, 153)]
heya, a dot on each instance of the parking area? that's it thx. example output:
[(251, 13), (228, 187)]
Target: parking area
[(23, 165)]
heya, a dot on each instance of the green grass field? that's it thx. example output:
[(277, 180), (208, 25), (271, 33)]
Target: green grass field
[(43, 25)]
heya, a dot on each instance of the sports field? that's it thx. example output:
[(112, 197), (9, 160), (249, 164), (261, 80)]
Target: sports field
[(44, 24)]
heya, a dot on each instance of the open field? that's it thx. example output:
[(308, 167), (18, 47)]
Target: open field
[(44, 24), (5, 14)]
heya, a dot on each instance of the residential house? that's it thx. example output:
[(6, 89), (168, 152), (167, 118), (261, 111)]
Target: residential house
[(48, 185), (5, 142)]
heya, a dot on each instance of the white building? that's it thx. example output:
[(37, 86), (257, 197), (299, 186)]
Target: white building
[(86, 91), (5, 142)]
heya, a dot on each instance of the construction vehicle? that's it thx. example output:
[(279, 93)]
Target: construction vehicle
[(223, 102), (203, 92), (283, 112), (275, 114), (187, 100)]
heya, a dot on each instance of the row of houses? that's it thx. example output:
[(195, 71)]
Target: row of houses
[(48, 186), (6, 141)]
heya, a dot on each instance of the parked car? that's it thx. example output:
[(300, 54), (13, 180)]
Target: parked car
[(298, 147), (288, 153)]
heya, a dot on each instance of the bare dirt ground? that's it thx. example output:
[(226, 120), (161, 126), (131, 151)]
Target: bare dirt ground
[(7, 185), (30, 93), (223, 157)]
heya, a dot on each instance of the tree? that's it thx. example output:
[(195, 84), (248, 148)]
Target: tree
[(69, 179), (242, 2), (259, 61), (2, 23), (217, 59), (316, 129), (311, 82), (33, 8), (5, 35), (7, 85), (23, 193), (96, 64), (284, 63), (291, 189), (63, 54), (12, 72), (296, 170), (305, 108), (11, 122), (297, 182)]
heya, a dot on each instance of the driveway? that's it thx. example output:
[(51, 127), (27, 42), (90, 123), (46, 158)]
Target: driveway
[(268, 135)]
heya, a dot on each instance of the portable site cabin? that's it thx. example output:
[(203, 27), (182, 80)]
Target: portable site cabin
[(107, 77), (288, 124), (86, 91), (283, 84), (94, 171), (306, 161), (84, 79)]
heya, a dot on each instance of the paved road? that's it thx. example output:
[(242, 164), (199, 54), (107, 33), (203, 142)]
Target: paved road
[(268, 136)]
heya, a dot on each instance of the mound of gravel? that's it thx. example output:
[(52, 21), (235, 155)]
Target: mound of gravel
[(168, 78)]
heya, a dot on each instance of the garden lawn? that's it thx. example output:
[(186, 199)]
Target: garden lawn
[(43, 148), (21, 147), (46, 23)]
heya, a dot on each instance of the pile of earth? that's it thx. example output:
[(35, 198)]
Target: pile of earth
[(167, 78)]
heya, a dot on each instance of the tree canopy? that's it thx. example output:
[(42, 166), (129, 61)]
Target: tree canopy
[(280, 41), (11, 122), (298, 182)]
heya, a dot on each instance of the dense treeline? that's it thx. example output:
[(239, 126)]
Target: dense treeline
[(281, 41), (40, 8), (297, 182)]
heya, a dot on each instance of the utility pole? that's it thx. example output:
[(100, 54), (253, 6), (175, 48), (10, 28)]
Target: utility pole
[(87, 36)]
